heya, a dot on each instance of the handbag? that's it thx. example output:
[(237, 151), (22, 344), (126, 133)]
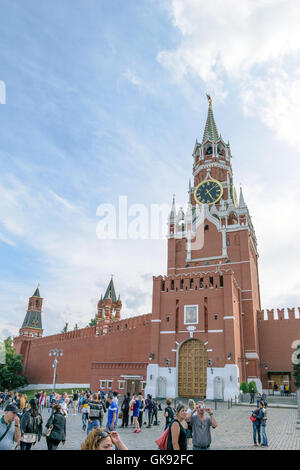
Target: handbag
[(253, 419), (162, 441), (48, 431), (28, 438)]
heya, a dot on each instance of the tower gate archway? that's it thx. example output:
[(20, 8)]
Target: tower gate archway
[(192, 369)]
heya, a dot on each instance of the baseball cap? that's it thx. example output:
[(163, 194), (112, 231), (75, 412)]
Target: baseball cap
[(12, 407)]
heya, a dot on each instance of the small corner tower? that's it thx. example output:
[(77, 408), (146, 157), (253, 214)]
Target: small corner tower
[(32, 324)]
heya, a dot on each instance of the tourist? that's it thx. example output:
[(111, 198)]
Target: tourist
[(125, 410), (95, 413), (149, 405), (252, 395), (201, 425), (63, 405), (131, 408), (9, 428), (112, 413), (22, 403), (116, 400), (264, 424), (141, 410), (31, 426), (58, 432), (42, 401), (136, 412), (189, 434), (169, 413), (154, 413), (84, 409), (75, 402), (101, 439), (256, 425), (177, 432)]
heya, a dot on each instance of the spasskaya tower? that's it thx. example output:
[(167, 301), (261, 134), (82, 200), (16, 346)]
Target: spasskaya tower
[(204, 338)]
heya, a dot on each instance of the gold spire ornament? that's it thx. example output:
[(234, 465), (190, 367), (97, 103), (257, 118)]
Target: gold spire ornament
[(209, 100)]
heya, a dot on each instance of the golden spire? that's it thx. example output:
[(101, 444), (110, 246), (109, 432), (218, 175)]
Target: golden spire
[(209, 100)]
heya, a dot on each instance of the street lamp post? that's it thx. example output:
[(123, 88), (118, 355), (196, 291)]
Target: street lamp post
[(55, 353)]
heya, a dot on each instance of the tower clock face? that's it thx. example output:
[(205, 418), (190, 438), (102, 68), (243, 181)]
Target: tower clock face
[(208, 192)]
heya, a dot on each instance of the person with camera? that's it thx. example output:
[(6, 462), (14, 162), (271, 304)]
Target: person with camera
[(201, 425)]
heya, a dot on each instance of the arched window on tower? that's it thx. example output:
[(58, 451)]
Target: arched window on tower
[(232, 219)]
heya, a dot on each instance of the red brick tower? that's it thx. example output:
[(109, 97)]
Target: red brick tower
[(204, 338), (32, 326), (109, 308)]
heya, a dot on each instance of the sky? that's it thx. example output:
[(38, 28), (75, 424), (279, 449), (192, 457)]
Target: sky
[(106, 99)]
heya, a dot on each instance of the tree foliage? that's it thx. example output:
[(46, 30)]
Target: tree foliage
[(10, 372), (93, 322), (252, 384), (244, 387), (65, 328)]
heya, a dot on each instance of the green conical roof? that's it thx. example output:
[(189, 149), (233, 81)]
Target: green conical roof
[(210, 131), (110, 292), (37, 292)]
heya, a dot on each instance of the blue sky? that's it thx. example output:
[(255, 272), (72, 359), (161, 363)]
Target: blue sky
[(106, 99)]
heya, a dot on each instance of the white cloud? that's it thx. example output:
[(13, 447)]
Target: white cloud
[(132, 77), (77, 264), (252, 43)]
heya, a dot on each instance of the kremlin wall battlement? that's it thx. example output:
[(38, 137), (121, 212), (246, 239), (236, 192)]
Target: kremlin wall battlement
[(279, 314)]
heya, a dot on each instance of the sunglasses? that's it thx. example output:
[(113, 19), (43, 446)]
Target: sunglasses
[(103, 434)]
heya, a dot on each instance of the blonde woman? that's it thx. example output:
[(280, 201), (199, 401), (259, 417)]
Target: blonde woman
[(101, 439), (191, 409)]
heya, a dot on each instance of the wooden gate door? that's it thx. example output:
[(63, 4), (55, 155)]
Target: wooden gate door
[(192, 367)]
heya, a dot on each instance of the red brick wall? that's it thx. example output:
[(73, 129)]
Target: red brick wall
[(275, 340)]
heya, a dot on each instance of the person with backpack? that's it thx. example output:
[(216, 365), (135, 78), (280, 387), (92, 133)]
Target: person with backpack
[(95, 413), (56, 424), (31, 426), (169, 413), (177, 432)]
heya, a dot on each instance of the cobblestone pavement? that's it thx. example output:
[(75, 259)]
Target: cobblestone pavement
[(234, 431)]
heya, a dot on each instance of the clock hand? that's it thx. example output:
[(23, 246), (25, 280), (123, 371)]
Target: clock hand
[(212, 188), (210, 195)]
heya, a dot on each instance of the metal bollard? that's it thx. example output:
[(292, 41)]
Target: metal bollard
[(216, 404), (228, 404)]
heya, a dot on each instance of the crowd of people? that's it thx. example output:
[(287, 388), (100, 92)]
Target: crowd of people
[(21, 425)]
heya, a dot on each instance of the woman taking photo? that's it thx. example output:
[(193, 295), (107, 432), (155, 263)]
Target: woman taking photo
[(177, 433), (31, 425), (58, 431), (101, 439)]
